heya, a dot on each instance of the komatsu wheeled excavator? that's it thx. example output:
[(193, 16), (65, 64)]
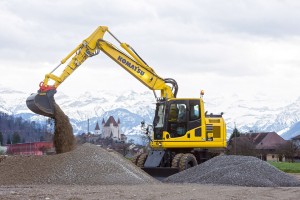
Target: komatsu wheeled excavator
[(182, 134)]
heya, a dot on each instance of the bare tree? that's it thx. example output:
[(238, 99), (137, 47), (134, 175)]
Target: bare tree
[(289, 150), (1, 138), (241, 146)]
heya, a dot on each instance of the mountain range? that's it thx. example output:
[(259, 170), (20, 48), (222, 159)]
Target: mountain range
[(255, 114)]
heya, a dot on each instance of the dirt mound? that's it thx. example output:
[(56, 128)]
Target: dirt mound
[(86, 165), (235, 170), (64, 140)]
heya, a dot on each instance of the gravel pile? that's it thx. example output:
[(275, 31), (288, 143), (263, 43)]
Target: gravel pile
[(235, 170), (86, 165)]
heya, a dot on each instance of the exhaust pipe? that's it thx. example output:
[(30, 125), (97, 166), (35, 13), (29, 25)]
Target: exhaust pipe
[(42, 103)]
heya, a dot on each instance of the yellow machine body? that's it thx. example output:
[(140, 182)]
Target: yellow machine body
[(204, 131), (182, 131)]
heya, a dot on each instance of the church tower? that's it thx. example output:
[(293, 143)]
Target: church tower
[(97, 129)]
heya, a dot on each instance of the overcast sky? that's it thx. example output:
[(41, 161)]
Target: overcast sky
[(243, 47)]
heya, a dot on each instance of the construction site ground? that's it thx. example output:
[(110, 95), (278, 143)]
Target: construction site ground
[(90, 172), (147, 191)]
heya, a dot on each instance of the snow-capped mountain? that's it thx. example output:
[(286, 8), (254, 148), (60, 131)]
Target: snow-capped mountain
[(131, 108)]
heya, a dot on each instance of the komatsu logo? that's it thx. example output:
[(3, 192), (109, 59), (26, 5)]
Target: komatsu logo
[(132, 66)]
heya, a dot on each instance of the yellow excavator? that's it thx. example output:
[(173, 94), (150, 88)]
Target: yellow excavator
[(182, 134)]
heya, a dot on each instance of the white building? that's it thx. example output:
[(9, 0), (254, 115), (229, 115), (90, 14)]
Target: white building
[(111, 129)]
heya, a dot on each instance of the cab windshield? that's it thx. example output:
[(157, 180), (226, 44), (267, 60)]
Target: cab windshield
[(158, 122)]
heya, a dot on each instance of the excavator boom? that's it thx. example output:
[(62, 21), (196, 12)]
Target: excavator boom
[(42, 101)]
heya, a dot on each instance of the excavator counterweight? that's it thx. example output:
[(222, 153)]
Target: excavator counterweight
[(42, 103)]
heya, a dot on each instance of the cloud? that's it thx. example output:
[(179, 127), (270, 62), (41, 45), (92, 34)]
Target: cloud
[(220, 45)]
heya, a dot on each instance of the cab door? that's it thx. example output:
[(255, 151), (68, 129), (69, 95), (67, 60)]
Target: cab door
[(177, 118), (194, 119)]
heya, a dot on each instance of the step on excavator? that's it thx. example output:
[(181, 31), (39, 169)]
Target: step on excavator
[(182, 134)]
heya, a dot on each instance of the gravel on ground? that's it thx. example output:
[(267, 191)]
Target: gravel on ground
[(235, 170), (86, 165)]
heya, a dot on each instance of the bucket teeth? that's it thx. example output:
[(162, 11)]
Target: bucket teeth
[(42, 103)]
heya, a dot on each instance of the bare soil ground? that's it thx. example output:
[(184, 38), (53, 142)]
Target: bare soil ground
[(147, 192)]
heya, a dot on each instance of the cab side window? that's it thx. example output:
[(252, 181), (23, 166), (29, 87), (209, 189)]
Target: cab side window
[(181, 112), (194, 111), (173, 113)]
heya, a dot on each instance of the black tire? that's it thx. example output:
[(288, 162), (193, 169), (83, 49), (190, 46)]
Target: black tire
[(176, 159), (141, 160), (187, 161), (135, 158)]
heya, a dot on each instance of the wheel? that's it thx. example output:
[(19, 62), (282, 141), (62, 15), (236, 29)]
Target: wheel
[(187, 161), (135, 158), (141, 160), (176, 159)]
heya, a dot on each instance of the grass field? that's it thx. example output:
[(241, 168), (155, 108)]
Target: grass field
[(287, 167)]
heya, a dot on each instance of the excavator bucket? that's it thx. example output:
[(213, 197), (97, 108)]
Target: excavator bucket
[(42, 103)]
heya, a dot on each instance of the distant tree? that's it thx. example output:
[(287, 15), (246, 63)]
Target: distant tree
[(235, 133), (123, 148), (1, 139), (8, 140), (80, 138), (16, 138), (107, 142), (29, 130), (241, 145), (289, 150), (48, 137), (131, 141)]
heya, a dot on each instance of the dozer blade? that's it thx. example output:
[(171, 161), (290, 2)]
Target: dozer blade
[(42, 103), (160, 172)]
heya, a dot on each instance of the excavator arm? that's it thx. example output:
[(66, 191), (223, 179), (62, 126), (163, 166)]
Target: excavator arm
[(43, 102)]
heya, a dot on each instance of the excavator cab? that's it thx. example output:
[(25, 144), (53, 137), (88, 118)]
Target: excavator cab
[(42, 103)]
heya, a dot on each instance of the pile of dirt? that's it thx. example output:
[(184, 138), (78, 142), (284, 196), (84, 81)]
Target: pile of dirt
[(235, 170), (86, 165), (64, 140)]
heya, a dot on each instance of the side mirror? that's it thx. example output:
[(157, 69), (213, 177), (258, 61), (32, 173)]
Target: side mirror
[(143, 123)]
